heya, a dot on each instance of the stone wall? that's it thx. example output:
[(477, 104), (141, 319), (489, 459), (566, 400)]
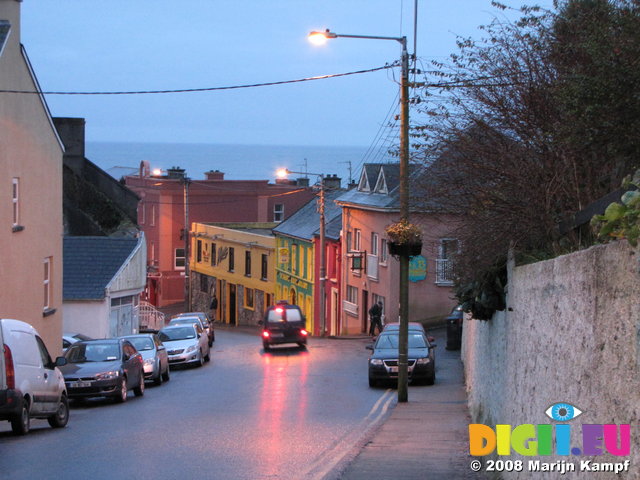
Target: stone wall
[(571, 334)]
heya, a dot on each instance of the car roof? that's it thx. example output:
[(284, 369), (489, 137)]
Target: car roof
[(174, 326)]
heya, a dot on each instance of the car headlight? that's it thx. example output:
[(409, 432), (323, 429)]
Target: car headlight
[(375, 361), (149, 361), (108, 375), (423, 361), (190, 349)]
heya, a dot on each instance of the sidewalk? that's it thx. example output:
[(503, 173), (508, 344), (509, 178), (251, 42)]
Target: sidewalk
[(425, 438)]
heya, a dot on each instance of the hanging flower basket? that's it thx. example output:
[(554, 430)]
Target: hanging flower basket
[(405, 249), (405, 239)]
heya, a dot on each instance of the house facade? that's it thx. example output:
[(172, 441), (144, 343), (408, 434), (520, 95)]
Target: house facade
[(163, 214), (371, 275), (31, 209), (103, 280), (299, 260), (235, 263)]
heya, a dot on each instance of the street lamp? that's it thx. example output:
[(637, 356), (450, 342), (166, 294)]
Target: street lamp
[(403, 348), (322, 270)]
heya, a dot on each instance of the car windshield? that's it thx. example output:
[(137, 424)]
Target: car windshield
[(141, 343), (172, 334), (278, 315), (181, 320), (93, 352), (391, 341)]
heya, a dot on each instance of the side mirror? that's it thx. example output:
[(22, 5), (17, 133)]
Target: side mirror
[(60, 361)]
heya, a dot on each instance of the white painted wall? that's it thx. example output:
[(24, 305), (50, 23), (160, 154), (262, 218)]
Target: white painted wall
[(573, 336)]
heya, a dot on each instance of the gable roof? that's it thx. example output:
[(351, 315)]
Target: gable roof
[(90, 263), (305, 223)]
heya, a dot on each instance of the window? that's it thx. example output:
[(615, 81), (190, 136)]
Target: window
[(199, 252), (294, 259), (204, 283), (47, 284), (264, 267), (352, 294), (232, 259), (357, 239), (213, 254), (374, 244), (16, 201), (141, 211), (247, 263), (153, 215), (278, 212), (178, 259), (384, 251), (349, 241), (444, 263), (249, 294)]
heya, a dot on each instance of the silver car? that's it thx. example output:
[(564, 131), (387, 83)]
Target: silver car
[(201, 317), (186, 344), (154, 354)]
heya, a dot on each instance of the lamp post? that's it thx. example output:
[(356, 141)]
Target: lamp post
[(322, 269), (403, 348)]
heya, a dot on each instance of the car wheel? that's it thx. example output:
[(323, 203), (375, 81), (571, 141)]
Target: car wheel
[(431, 379), (266, 346), (121, 396), (158, 380), (166, 376), (21, 422), (213, 337), (139, 390), (372, 383), (61, 417)]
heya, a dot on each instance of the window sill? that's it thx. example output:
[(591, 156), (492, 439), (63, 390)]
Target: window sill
[(47, 312), (17, 228)]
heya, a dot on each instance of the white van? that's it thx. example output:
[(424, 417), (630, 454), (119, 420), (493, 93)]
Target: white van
[(30, 384)]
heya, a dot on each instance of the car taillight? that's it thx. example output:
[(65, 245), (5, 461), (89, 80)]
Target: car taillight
[(265, 334), (10, 372), (304, 332)]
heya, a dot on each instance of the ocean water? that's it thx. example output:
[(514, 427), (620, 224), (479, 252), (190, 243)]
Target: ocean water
[(238, 162)]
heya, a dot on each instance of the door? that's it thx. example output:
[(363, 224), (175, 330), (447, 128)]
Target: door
[(50, 393), (232, 304), (365, 311)]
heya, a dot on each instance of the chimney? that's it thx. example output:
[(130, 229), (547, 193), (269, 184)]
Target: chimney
[(214, 175), (71, 132), (332, 181), (175, 173), (302, 182)]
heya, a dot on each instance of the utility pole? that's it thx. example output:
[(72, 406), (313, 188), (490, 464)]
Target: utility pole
[(322, 270), (187, 240)]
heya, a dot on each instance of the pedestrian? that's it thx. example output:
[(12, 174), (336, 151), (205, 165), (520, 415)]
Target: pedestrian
[(375, 317), (214, 307)]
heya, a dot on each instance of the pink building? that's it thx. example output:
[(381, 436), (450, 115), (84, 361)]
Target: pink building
[(370, 274), (162, 216)]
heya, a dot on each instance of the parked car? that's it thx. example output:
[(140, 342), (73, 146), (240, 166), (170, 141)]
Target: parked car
[(283, 323), (186, 343), (154, 356), (31, 386), (69, 339), (454, 328), (383, 362), (412, 327), (205, 321), (103, 368)]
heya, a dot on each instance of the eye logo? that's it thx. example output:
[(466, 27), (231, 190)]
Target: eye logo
[(562, 412)]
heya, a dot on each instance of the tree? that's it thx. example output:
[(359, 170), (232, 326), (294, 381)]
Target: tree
[(528, 125)]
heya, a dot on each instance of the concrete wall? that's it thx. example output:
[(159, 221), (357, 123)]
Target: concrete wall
[(572, 336)]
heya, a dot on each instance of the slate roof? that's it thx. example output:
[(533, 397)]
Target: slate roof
[(90, 263), (305, 223)]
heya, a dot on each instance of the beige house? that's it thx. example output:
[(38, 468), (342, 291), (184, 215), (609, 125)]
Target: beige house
[(31, 206)]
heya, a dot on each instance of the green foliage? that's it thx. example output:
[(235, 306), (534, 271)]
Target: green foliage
[(486, 294), (621, 220)]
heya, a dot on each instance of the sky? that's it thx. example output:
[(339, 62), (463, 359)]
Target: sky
[(125, 45)]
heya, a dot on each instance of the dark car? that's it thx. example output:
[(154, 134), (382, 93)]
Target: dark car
[(103, 368), (283, 323), (383, 362), (454, 328)]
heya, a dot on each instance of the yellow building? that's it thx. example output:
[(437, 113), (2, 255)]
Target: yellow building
[(31, 206), (235, 264)]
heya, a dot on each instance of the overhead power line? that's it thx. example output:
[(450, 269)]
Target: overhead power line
[(209, 89)]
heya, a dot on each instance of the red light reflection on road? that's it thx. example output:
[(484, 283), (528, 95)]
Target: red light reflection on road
[(283, 403)]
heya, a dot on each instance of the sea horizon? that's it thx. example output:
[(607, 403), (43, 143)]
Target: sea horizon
[(237, 162)]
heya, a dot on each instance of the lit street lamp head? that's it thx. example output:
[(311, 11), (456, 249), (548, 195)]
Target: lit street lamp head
[(319, 38)]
